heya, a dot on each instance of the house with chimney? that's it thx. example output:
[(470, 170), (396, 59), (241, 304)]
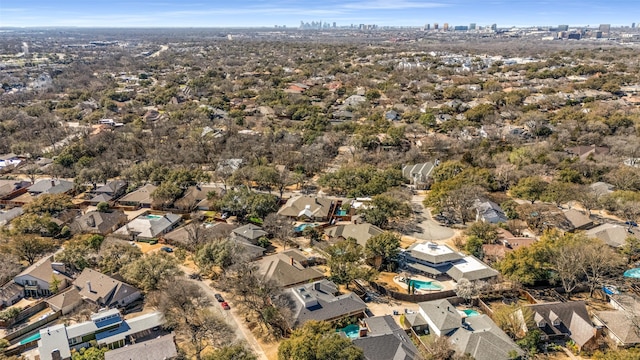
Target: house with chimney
[(288, 268), (51, 186), (107, 328), (96, 222), (419, 175), (381, 338), (104, 291), (38, 279), (476, 335), (321, 301), (308, 208)]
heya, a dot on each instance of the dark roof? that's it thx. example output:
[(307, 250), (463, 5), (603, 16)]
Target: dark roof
[(162, 347), (284, 269), (52, 186), (385, 340), (111, 187), (360, 232), (99, 222), (573, 317), (619, 323), (250, 231), (326, 306)]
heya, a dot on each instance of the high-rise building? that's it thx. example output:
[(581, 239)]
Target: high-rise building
[(494, 27), (445, 26), (605, 28), (435, 26), (472, 26), (427, 27), (334, 25), (563, 27), (633, 25)]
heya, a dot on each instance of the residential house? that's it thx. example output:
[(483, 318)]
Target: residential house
[(38, 278), (148, 226), (436, 260), (139, 198), (489, 212), (321, 301), (8, 161), (10, 293), (249, 233), (183, 235), (52, 186), (392, 115), (568, 320), (66, 301), (105, 291), (419, 175), (383, 339), (111, 190), (163, 347), (507, 242), (10, 187), (106, 328), (614, 235), (195, 198), (288, 268), (308, 208), (620, 325), (8, 215), (361, 232), (578, 220), (475, 335), (585, 152), (96, 222)]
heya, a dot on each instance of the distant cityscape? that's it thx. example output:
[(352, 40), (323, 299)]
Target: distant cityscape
[(559, 31)]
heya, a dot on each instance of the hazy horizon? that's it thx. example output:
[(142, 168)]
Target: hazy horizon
[(260, 13)]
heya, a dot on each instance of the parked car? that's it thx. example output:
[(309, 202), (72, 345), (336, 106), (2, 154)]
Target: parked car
[(225, 305), (631, 223), (166, 249), (219, 297)]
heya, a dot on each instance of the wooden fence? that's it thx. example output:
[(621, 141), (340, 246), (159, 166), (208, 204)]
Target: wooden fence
[(414, 298)]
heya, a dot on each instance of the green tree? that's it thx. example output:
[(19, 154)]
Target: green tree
[(382, 248), (29, 248), (147, 272), (75, 254), (530, 188), (385, 207), (318, 341), (231, 352), (49, 204), (345, 262), (486, 232), (103, 207), (473, 246), (54, 286), (218, 253), (90, 353), (114, 256)]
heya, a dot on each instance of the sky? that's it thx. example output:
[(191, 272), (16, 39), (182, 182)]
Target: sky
[(253, 13)]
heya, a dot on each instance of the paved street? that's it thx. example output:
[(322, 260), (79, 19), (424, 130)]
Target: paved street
[(242, 333), (431, 230)]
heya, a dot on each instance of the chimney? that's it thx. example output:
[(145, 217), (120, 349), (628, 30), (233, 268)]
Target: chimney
[(316, 285), (363, 331), (53, 183), (89, 286), (55, 355), (291, 261)]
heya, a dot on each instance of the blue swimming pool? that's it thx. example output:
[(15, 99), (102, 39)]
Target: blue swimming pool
[(352, 331), (31, 338), (425, 285), (470, 312), (341, 212), (632, 273), (301, 227), (152, 217)]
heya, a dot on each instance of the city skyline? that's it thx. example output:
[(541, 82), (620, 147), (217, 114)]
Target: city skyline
[(260, 13)]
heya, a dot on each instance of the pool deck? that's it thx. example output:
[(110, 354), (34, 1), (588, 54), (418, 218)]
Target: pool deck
[(446, 285)]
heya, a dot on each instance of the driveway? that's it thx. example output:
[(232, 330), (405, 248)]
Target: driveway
[(242, 333), (430, 229)]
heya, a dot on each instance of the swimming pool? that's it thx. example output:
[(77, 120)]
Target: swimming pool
[(352, 331), (301, 227), (425, 285), (152, 217), (341, 212), (470, 312), (632, 273), (31, 338)]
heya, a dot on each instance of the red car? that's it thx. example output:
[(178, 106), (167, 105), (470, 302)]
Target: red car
[(225, 305)]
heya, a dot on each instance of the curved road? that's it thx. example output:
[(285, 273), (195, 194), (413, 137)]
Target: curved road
[(431, 230)]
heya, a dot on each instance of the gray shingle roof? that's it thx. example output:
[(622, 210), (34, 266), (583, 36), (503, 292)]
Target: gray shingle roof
[(328, 306), (573, 317), (250, 232), (483, 339), (162, 347), (386, 340), (284, 269), (360, 232), (442, 314)]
